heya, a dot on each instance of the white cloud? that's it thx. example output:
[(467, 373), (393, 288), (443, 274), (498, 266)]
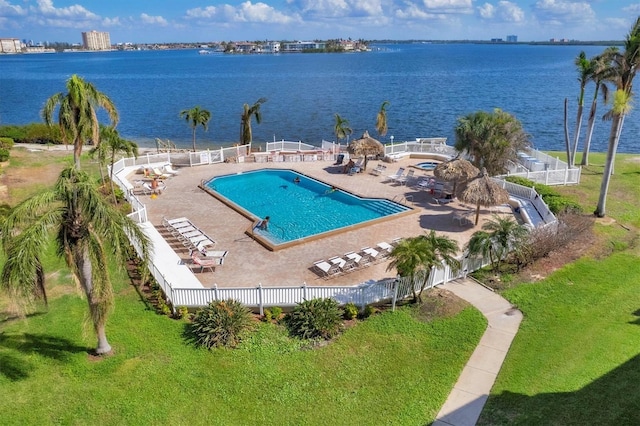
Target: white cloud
[(504, 11), (245, 12), (75, 12), (560, 12), (632, 8), (8, 10), (153, 20), (448, 6)]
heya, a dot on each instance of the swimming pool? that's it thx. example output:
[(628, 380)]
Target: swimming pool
[(298, 211)]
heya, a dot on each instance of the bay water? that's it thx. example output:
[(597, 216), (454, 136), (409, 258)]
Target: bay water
[(428, 86)]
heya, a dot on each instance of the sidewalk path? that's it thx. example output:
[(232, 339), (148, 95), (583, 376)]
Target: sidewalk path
[(466, 400)]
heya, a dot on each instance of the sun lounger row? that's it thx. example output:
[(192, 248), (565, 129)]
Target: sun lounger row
[(160, 172), (353, 260), (400, 177), (188, 234)]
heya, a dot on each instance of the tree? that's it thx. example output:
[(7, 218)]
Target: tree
[(491, 139), (86, 230), (381, 119), (341, 128), (246, 137), (78, 115), (422, 254), (599, 65), (622, 70), (111, 144), (585, 72), (196, 117), (498, 237)]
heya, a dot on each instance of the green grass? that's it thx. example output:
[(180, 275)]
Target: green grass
[(576, 357), (390, 369)]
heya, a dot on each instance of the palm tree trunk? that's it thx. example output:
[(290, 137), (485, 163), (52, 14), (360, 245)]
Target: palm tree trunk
[(566, 131), (83, 263), (113, 191), (477, 213), (194, 139), (616, 127), (577, 135), (590, 126)]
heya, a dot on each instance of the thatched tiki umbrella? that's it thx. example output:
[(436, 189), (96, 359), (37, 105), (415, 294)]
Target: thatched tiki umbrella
[(456, 170), (365, 146), (484, 191)]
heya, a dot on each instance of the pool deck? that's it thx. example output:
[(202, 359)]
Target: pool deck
[(249, 264)]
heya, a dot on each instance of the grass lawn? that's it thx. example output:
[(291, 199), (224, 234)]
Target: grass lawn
[(576, 358)]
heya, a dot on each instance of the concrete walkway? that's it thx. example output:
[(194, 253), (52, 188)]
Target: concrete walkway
[(470, 393)]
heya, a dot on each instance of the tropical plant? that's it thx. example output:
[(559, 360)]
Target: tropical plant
[(585, 73), (315, 318), (350, 311), (491, 139), (222, 323), (499, 236), (111, 144), (196, 116), (419, 255), (246, 135), (78, 114), (599, 67), (87, 230), (341, 128), (381, 119), (622, 70)]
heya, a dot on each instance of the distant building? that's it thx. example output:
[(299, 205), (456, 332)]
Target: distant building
[(512, 38), (96, 40), (496, 40), (299, 46), (10, 45)]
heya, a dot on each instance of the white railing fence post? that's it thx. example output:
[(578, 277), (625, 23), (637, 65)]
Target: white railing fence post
[(260, 299)]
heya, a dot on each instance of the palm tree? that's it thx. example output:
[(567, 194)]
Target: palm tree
[(341, 128), (86, 228), (381, 119), (498, 237), (246, 136), (111, 144), (585, 73), (78, 115), (422, 254), (599, 66), (492, 139), (622, 70), (195, 117)]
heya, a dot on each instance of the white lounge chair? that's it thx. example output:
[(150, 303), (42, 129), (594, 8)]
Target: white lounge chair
[(354, 258), (160, 174), (325, 268), (402, 180), (356, 168), (385, 248), (397, 175), (378, 170), (206, 263), (170, 170), (369, 253)]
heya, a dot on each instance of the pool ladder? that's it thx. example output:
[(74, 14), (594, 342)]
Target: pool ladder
[(403, 199)]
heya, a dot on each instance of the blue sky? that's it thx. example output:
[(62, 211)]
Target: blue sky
[(146, 21)]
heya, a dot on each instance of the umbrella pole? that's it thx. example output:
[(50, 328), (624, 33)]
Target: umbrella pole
[(477, 213)]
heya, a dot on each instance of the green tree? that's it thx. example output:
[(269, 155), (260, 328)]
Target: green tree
[(196, 117), (341, 128), (246, 136), (78, 114), (111, 145), (585, 73), (498, 237), (599, 67), (419, 255), (381, 119), (491, 139), (86, 230), (622, 70)]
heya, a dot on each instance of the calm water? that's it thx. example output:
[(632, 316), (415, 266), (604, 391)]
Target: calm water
[(298, 210), (428, 85)]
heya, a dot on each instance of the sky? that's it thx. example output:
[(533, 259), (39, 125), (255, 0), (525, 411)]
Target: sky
[(163, 21)]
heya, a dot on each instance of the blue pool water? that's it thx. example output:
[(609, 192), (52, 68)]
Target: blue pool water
[(427, 165), (298, 210)]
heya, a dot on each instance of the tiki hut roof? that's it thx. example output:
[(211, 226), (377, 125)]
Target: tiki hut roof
[(366, 145), (484, 191), (456, 170)]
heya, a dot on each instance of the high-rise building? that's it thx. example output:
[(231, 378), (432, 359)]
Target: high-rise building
[(10, 45), (512, 39), (96, 40)]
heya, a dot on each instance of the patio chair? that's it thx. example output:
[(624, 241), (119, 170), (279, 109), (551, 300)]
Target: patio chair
[(378, 170), (159, 174), (385, 248), (356, 168), (339, 160), (369, 253), (342, 264), (395, 176), (169, 169), (402, 180), (325, 269), (206, 263), (354, 258)]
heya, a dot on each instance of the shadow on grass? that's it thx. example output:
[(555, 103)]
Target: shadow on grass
[(637, 321), (611, 399), (16, 367)]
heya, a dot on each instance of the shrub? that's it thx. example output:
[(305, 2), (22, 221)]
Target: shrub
[(222, 323), (315, 318), (182, 312), (350, 311), (4, 154), (6, 143), (368, 311), (273, 314)]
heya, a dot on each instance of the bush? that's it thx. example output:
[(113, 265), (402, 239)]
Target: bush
[(368, 311), (4, 154), (182, 312), (273, 314), (32, 133), (350, 311), (316, 318), (6, 143), (221, 323)]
